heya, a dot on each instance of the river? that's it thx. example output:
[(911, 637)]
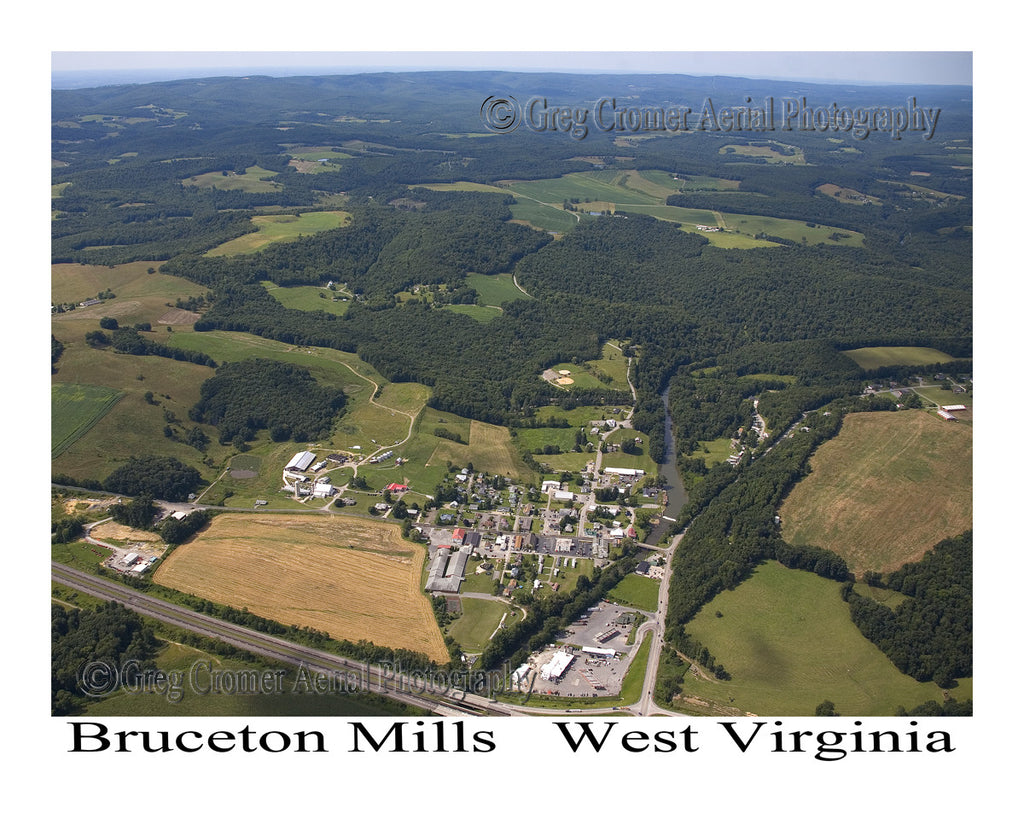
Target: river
[(669, 472)]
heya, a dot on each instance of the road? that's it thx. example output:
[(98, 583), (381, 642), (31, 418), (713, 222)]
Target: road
[(403, 688)]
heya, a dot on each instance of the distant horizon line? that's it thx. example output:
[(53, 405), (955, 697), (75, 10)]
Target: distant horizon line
[(61, 77)]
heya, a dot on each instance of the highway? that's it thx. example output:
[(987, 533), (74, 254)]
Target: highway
[(413, 690)]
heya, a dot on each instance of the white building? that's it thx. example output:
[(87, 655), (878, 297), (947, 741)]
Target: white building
[(556, 666)]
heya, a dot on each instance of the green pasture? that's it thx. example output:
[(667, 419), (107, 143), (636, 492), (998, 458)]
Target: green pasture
[(140, 295), (282, 227), (318, 153), (769, 153), (254, 180), (462, 186), (614, 364), (870, 358), (786, 638), (478, 312), (309, 297), (133, 425), (587, 186), (636, 591), (75, 409), (690, 183), (578, 416), (564, 462), (543, 217), (539, 437), (887, 597), (479, 619), (496, 289)]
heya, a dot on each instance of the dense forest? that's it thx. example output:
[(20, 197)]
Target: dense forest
[(108, 636), (244, 397)]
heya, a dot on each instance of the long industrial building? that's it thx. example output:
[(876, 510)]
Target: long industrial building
[(448, 570)]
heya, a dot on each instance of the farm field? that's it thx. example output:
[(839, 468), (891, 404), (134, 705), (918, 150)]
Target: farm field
[(75, 409), (282, 228), (885, 490), (786, 638), (870, 358), (354, 579)]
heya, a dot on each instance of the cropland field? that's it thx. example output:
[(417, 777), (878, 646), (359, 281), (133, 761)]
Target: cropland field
[(885, 490), (354, 579), (74, 409), (786, 638), (282, 228), (870, 358)]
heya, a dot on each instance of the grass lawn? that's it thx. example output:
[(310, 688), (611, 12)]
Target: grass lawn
[(786, 638), (479, 619)]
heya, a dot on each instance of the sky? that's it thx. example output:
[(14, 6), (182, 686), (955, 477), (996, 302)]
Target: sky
[(907, 67)]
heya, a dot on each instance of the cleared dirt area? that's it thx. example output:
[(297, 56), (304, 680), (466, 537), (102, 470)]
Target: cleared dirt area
[(889, 487), (356, 580), (177, 316)]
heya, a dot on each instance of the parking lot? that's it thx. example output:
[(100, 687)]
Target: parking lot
[(590, 675)]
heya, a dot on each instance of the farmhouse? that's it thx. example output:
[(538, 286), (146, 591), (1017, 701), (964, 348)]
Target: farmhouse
[(948, 416), (954, 407), (623, 471)]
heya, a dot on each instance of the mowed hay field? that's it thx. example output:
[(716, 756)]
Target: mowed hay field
[(885, 490), (354, 579)]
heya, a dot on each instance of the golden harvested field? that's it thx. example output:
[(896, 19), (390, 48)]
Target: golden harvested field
[(885, 490), (353, 579)]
